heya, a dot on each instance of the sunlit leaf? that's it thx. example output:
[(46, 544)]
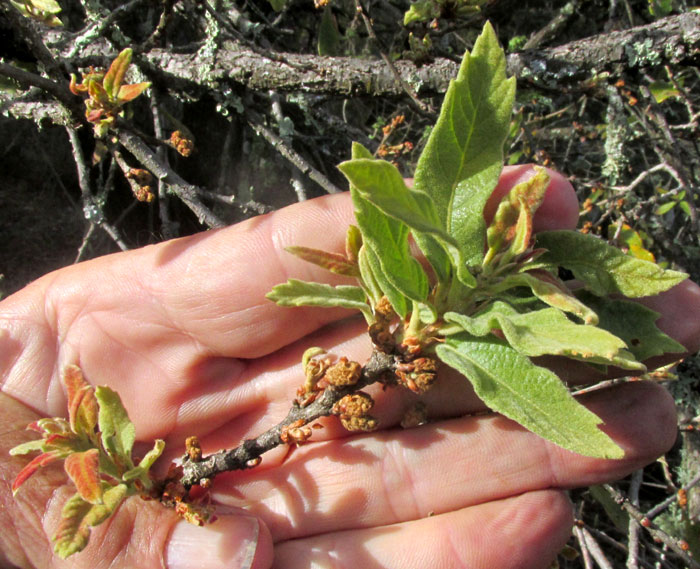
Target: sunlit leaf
[(463, 157), (78, 516), (512, 224), (549, 332), (603, 268), (128, 93), (634, 323), (333, 262), (84, 470), (300, 293), (36, 463), (112, 81), (509, 383), (117, 430), (550, 290), (82, 404)]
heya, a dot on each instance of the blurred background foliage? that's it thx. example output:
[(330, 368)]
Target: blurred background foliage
[(623, 127)]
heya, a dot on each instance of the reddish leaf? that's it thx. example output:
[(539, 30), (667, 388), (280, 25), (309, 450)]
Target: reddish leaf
[(33, 466), (84, 470), (332, 262), (130, 92), (115, 74), (82, 405)]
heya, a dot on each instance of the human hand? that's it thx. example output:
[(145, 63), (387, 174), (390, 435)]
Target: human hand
[(183, 332)]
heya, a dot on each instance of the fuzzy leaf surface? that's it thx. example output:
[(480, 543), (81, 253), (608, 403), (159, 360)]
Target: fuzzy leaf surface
[(35, 464), (333, 262), (463, 157), (82, 404), (396, 298), (78, 516), (112, 81), (603, 268), (387, 237), (510, 384), (634, 323), (380, 183), (301, 293), (549, 331), (118, 432), (84, 470), (550, 290)]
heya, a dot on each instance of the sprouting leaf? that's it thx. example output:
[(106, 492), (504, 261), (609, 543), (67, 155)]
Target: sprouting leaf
[(387, 237), (603, 268), (549, 331), (146, 462), (368, 280), (35, 464), (78, 516), (117, 430), (550, 290), (353, 242), (300, 293), (393, 266), (42, 10), (380, 183), (510, 384), (128, 93), (112, 81), (328, 35), (333, 262), (82, 404), (634, 323), (463, 157), (396, 298), (84, 470), (26, 448), (512, 224)]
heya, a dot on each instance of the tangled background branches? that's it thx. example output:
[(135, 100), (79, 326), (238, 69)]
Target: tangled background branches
[(608, 94)]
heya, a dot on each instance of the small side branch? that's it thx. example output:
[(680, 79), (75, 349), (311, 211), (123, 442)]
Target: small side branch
[(379, 366)]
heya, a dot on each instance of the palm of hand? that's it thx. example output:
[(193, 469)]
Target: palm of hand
[(182, 331)]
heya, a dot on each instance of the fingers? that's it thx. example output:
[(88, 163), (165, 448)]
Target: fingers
[(525, 532), (397, 476), (140, 534)]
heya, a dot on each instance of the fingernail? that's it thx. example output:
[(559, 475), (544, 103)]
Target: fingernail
[(228, 543)]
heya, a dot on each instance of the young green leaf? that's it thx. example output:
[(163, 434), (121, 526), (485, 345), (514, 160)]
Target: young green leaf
[(396, 298), (463, 157), (510, 384), (511, 228), (603, 268), (300, 293), (549, 331), (117, 430), (84, 470), (380, 183), (388, 239), (550, 290), (369, 282), (78, 516), (112, 81), (634, 323)]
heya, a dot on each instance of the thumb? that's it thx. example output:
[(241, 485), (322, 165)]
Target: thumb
[(140, 534)]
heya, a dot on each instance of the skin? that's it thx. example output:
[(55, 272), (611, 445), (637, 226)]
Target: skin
[(183, 332)]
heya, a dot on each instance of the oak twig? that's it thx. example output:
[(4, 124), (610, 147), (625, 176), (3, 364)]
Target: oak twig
[(379, 366)]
